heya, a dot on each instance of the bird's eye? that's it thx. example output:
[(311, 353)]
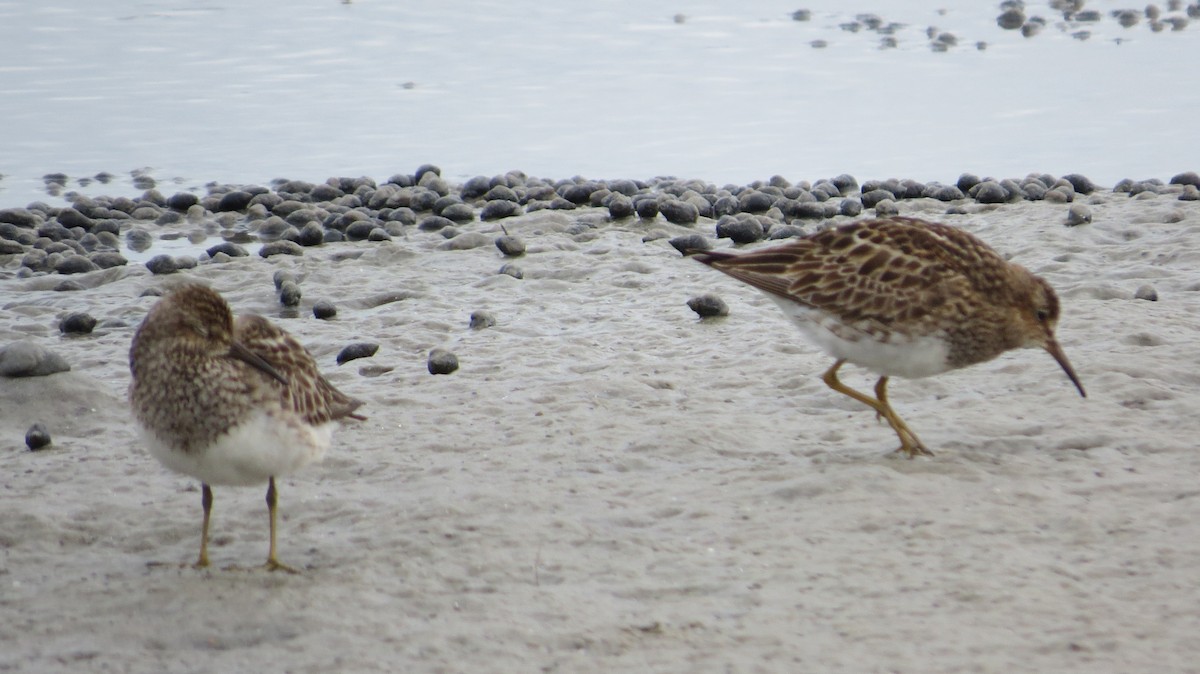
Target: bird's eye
[(1042, 315)]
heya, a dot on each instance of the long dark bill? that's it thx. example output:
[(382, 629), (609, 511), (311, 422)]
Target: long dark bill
[(239, 351), (1055, 350)]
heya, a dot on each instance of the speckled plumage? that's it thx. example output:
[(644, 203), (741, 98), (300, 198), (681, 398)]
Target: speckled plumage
[(902, 297), (228, 401)]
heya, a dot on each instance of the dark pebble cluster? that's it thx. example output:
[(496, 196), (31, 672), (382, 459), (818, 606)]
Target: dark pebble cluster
[(293, 215), (1067, 16), (1075, 18)]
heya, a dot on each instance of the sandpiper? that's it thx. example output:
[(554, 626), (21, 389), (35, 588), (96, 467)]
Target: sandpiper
[(229, 402), (901, 297)]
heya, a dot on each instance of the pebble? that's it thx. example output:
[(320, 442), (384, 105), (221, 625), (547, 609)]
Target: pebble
[(510, 245), (873, 197), (647, 209), (1078, 214), (236, 200), (77, 323), (475, 187), (459, 213), (497, 209), (886, 207), (966, 181), (282, 276), (1188, 178), (740, 230), (1059, 195), (807, 210), (482, 319), (26, 359), (324, 310), (679, 212), (1146, 292), (989, 192), (423, 169), (311, 234), (578, 194), (465, 240), (289, 294), (944, 192), (75, 264), (69, 217), (280, 248), (708, 305), (1033, 190), (21, 217), (755, 202), (690, 242), (359, 230), (512, 270), (442, 361), (37, 437), (1081, 184), (182, 201), (162, 264), (356, 351), (787, 232), (435, 223), (851, 207), (620, 206)]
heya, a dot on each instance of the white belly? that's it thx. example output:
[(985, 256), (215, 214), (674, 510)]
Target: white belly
[(256, 449), (897, 356)]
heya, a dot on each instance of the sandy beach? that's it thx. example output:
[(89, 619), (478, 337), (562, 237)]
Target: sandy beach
[(609, 483)]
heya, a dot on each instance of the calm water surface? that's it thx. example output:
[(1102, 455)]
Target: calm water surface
[(210, 90)]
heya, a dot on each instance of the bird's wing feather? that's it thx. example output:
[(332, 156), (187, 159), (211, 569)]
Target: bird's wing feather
[(307, 391)]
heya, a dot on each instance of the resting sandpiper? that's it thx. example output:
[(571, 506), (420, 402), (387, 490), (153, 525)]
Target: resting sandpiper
[(229, 402), (901, 297)]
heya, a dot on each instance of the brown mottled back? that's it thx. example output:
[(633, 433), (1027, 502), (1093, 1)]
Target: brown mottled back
[(887, 272), (307, 391)]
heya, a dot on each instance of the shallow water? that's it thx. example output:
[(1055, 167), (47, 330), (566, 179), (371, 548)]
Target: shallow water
[(196, 91)]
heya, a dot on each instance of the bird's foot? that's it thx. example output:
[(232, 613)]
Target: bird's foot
[(913, 450), (276, 565)]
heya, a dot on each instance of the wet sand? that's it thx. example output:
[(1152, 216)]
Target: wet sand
[(609, 483)]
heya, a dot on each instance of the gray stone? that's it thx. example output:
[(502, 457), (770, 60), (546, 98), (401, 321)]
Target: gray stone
[(689, 243), (482, 319), (162, 264), (708, 305), (1078, 214), (281, 248), (324, 310), (289, 294), (37, 437), (442, 361), (77, 323), (510, 245), (26, 359), (356, 351)]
